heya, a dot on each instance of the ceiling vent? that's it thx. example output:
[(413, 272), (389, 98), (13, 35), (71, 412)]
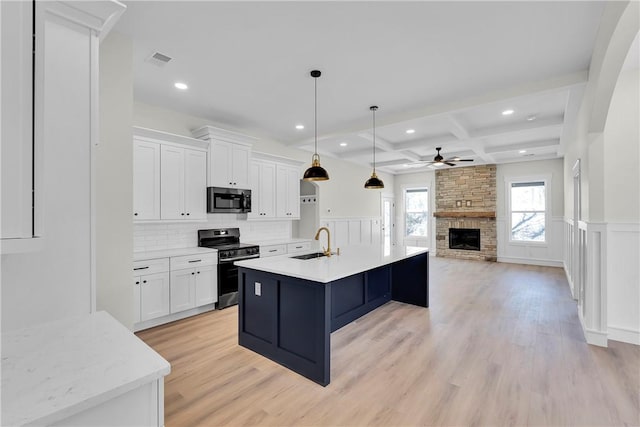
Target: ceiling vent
[(158, 59)]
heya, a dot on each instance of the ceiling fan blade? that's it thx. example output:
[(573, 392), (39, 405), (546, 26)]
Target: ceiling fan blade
[(464, 160), (447, 163)]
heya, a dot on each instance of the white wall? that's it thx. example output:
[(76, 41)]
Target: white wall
[(55, 282), (342, 196), (622, 208), (605, 139), (419, 179), (114, 182), (549, 253)]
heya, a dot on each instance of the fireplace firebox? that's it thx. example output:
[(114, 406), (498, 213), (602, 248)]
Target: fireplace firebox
[(467, 239)]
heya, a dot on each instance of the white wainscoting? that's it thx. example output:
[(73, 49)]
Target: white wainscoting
[(353, 231), (547, 254), (623, 282), (601, 261)]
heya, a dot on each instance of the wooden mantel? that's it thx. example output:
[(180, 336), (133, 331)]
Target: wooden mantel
[(458, 214)]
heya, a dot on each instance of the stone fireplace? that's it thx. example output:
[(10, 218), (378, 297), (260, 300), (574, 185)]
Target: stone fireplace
[(466, 200)]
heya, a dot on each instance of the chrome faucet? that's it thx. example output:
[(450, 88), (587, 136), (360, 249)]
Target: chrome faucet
[(327, 251)]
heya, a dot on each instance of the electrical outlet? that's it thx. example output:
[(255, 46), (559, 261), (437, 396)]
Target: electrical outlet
[(258, 288)]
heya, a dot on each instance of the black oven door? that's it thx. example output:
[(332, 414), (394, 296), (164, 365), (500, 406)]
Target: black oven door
[(227, 278)]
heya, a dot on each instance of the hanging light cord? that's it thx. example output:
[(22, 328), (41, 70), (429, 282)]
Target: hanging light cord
[(315, 114), (374, 140)]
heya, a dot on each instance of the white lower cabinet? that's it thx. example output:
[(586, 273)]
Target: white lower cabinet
[(173, 285), (285, 248), (150, 289), (194, 281)]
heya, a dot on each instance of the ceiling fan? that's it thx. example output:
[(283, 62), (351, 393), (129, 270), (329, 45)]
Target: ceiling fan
[(438, 159)]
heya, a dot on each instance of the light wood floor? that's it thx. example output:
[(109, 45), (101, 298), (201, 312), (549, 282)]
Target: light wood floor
[(501, 344)]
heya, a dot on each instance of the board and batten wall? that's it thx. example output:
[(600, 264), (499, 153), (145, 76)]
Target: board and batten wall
[(603, 238), (550, 252), (622, 208)]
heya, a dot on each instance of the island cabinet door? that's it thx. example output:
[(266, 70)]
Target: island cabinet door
[(259, 305)]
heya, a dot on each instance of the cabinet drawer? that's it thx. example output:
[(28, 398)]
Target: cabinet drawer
[(292, 248), (189, 261), (272, 250), (150, 266)]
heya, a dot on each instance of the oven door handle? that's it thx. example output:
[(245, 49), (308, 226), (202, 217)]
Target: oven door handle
[(223, 261)]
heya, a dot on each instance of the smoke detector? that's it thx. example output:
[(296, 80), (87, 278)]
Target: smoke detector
[(158, 59)]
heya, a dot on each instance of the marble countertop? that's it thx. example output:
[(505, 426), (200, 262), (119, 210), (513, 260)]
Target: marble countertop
[(352, 260), (166, 253), (277, 241), (55, 370)]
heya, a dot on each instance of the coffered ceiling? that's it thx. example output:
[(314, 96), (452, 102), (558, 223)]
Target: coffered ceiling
[(447, 70)]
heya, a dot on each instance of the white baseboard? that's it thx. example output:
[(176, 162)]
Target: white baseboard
[(568, 276), (531, 261), (593, 337), (172, 317), (624, 335)]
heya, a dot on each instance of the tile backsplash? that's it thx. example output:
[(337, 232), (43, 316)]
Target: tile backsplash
[(174, 235)]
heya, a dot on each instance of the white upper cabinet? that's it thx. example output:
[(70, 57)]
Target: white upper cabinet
[(288, 192), (146, 180), (263, 185), (229, 156), (172, 182), (170, 177), (229, 165), (195, 184), (275, 186)]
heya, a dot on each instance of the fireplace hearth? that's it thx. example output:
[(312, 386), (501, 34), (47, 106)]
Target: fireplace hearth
[(467, 239)]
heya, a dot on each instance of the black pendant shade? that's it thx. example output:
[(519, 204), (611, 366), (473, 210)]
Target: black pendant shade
[(315, 172), (374, 182)]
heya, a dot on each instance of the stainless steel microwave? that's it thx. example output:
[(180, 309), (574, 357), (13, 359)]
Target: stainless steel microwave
[(228, 200)]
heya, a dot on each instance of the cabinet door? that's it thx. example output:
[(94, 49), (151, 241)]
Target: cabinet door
[(240, 166), (206, 285), (282, 202), (146, 180), (136, 299), (293, 192), (154, 296), (182, 290), (267, 190), (254, 185), (195, 184), (172, 182), (219, 164)]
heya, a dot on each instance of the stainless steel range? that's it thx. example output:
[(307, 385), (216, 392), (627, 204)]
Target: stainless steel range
[(227, 242)]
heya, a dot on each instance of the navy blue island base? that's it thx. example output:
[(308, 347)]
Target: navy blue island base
[(289, 320)]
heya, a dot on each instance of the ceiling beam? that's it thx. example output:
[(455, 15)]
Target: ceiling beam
[(523, 146), (457, 129)]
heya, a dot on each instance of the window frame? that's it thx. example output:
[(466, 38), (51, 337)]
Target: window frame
[(546, 180), (405, 190)]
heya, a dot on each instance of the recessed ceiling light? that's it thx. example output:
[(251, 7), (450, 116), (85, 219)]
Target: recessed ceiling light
[(299, 127), (523, 151), (343, 144), (531, 118), (181, 86), (410, 131), (507, 112)]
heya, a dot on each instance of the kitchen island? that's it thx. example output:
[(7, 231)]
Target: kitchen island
[(288, 307)]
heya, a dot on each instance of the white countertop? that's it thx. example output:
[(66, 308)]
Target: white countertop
[(56, 370), (166, 253), (352, 260), (277, 241)]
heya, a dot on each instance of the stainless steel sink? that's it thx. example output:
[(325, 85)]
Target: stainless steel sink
[(309, 256)]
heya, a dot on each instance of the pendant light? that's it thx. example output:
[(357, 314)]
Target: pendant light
[(374, 182), (315, 172)]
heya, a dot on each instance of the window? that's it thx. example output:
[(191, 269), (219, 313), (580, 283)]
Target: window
[(528, 211), (416, 208)]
